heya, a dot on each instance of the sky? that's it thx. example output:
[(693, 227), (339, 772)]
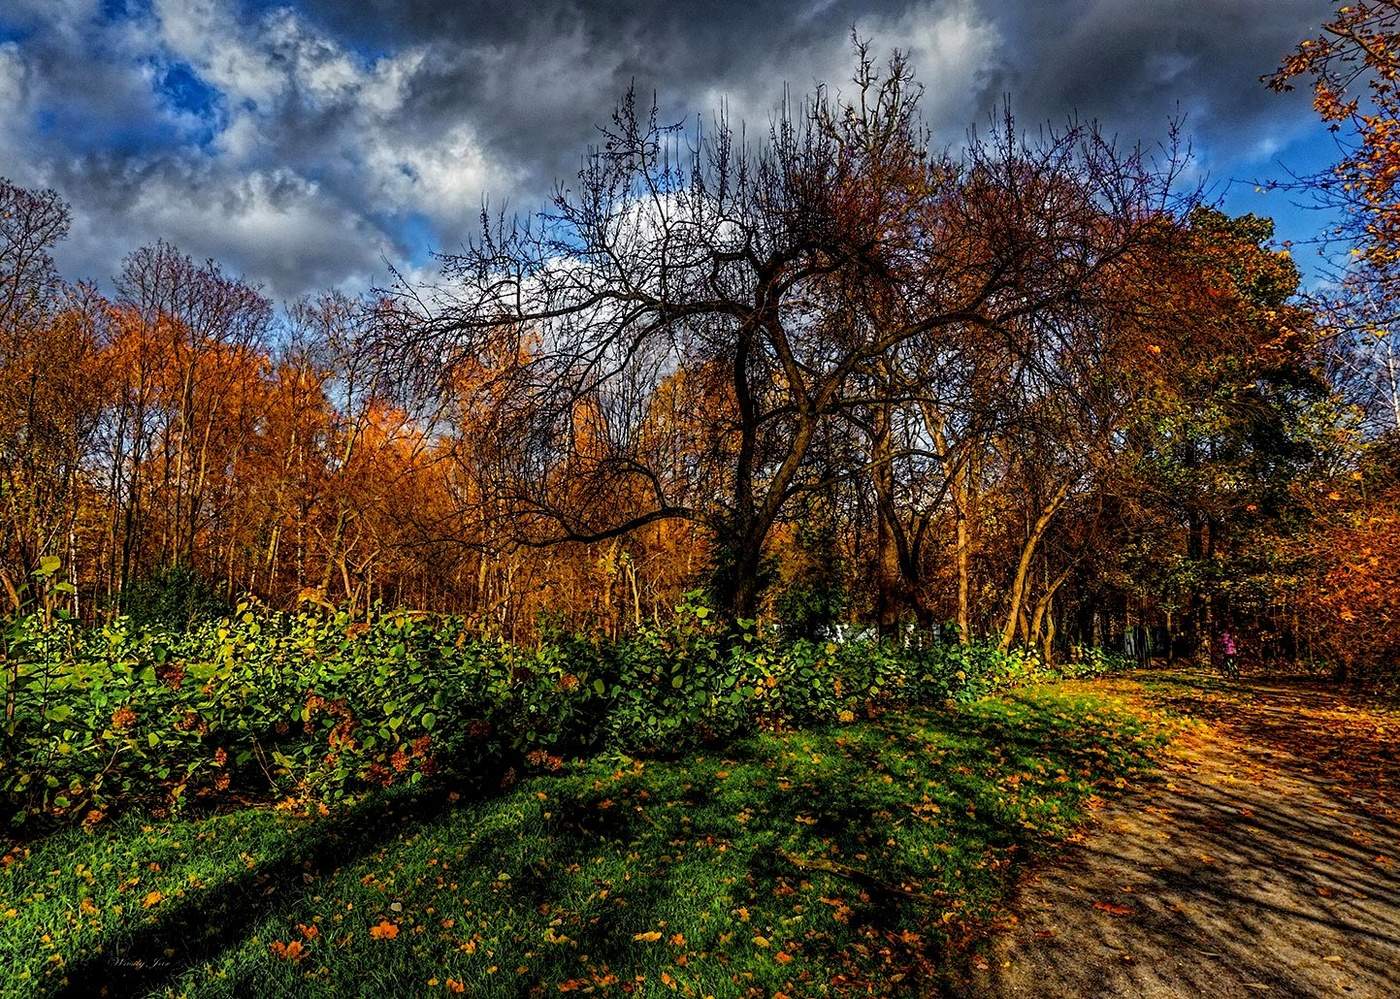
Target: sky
[(309, 145)]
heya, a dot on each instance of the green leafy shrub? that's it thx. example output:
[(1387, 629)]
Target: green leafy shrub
[(312, 707), (174, 596)]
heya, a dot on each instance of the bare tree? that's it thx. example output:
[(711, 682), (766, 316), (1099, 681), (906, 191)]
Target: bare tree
[(768, 278)]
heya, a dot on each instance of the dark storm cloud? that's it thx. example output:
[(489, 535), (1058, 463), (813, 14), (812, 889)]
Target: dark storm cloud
[(303, 144), (1134, 63)]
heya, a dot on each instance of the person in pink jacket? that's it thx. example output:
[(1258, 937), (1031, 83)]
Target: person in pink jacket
[(1228, 651)]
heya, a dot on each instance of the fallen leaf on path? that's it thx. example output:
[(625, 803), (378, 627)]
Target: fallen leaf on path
[(1114, 909)]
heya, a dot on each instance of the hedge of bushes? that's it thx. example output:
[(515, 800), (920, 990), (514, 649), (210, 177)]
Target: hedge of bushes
[(312, 708)]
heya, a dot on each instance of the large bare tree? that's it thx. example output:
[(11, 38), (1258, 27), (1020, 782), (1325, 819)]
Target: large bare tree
[(671, 337)]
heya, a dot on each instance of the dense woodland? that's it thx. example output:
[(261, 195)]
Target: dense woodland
[(1033, 390)]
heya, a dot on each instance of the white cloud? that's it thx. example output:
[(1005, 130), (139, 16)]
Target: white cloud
[(273, 226), (949, 45), (263, 66), (15, 140), (207, 35), (13, 92)]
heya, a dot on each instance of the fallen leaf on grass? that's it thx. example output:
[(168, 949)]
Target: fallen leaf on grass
[(649, 937), (293, 951), (384, 930)]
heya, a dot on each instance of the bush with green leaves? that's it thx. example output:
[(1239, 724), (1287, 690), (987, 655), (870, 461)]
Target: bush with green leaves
[(315, 707), (173, 596)]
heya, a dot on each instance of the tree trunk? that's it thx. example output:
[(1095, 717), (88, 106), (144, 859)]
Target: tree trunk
[(1017, 593)]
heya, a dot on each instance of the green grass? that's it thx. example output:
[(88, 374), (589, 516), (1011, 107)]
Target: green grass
[(808, 863)]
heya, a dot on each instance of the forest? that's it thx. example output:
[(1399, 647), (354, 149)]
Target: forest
[(1038, 393), (764, 456)]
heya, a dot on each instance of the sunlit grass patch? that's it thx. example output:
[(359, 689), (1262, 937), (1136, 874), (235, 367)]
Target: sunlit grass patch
[(806, 863)]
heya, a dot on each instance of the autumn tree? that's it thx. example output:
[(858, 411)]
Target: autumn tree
[(49, 387), (1353, 65)]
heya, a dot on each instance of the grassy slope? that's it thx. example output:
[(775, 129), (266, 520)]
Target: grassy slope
[(805, 863)]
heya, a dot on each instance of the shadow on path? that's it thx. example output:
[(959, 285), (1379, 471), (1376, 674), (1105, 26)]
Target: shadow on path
[(1264, 860)]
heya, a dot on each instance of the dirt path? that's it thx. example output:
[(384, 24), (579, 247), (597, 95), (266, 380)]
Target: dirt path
[(1264, 860)]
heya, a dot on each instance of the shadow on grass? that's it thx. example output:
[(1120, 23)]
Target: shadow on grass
[(845, 816), (205, 923)]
